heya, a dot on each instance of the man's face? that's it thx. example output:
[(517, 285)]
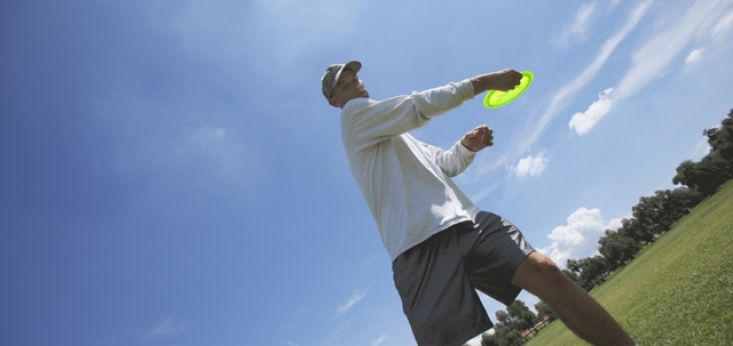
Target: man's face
[(348, 87)]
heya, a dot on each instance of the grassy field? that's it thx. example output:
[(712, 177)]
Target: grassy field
[(679, 290)]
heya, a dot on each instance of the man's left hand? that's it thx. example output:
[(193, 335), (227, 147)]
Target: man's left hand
[(480, 137)]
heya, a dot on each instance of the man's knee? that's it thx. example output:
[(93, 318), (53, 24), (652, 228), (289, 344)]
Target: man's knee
[(546, 267), (539, 271)]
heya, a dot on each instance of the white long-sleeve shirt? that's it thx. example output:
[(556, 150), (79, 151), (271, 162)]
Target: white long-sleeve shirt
[(406, 182)]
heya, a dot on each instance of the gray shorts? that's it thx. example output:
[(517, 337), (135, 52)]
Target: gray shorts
[(438, 278)]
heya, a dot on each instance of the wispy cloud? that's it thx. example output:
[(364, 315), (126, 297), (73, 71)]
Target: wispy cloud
[(579, 237), (663, 48), (576, 30), (355, 298), (218, 147), (531, 133), (717, 36), (166, 328), (484, 192), (724, 24), (303, 25), (336, 333), (701, 149), (380, 340), (704, 21)]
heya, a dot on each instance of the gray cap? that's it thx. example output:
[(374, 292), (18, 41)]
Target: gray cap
[(333, 73)]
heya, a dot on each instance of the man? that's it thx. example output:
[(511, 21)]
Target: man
[(443, 248)]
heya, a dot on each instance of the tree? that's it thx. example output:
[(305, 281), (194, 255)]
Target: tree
[(721, 138), (488, 340), (705, 176), (618, 248), (510, 325), (716, 167), (647, 213), (656, 214), (522, 318), (571, 275), (634, 229), (543, 309), (591, 271), (503, 336), (685, 174)]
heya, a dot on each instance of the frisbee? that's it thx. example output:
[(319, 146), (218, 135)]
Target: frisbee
[(498, 98)]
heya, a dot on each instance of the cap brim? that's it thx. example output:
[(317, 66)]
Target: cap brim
[(353, 65)]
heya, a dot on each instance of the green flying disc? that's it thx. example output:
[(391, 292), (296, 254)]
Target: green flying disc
[(498, 98)]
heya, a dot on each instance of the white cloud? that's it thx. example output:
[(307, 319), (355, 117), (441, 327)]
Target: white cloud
[(583, 122), (381, 339), (579, 237), (531, 165), (577, 29), (166, 328), (355, 298), (694, 56)]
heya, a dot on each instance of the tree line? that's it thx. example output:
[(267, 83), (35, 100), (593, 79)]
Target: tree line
[(651, 217), (654, 215)]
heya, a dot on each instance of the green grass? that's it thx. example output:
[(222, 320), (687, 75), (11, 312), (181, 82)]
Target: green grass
[(679, 290)]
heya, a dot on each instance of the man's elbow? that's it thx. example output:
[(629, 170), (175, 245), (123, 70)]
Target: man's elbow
[(452, 172)]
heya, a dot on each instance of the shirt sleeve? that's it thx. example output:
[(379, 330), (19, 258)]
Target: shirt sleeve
[(395, 116), (454, 160)]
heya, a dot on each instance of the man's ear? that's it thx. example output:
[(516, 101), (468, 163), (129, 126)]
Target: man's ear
[(333, 102)]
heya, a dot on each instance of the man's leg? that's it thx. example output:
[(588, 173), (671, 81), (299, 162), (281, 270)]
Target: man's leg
[(575, 307)]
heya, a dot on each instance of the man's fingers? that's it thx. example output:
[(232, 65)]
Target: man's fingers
[(487, 130), (510, 80), (489, 136)]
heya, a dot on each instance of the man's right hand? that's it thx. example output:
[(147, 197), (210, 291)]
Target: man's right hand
[(480, 137), (502, 80)]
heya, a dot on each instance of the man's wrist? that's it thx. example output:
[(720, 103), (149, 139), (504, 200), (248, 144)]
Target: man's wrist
[(482, 83), (468, 148)]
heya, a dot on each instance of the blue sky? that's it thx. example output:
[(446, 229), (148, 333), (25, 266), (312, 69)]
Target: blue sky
[(173, 176)]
